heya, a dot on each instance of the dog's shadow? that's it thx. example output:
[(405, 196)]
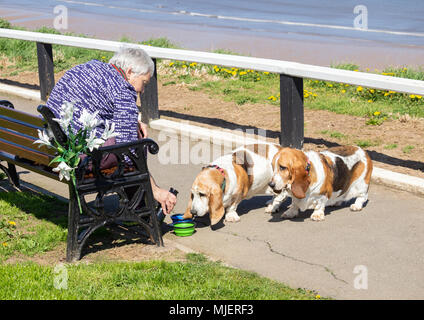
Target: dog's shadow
[(302, 216), (261, 202)]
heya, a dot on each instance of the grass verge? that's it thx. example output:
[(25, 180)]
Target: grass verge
[(33, 224), (197, 278)]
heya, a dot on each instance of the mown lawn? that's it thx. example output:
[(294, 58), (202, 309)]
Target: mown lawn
[(33, 224)]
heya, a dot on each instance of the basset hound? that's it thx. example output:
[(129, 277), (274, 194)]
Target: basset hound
[(315, 180), (222, 185)]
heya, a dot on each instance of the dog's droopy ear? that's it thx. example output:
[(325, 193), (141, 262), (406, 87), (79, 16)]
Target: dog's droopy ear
[(216, 207), (187, 213), (300, 185)]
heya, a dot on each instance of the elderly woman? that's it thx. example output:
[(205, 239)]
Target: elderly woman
[(111, 88)]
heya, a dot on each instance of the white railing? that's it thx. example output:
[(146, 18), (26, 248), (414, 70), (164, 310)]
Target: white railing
[(291, 76), (276, 66)]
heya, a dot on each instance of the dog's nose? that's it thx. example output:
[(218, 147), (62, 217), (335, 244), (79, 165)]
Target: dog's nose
[(193, 212), (271, 184)]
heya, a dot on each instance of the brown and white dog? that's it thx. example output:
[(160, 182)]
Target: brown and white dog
[(316, 180), (222, 185)]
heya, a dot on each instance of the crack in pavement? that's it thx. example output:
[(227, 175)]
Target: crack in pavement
[(286, 256)]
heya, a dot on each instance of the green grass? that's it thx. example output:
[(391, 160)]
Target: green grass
[(30, 224), (408, 149), (391, 146), (34, 224), (334, 134), (197, 278)]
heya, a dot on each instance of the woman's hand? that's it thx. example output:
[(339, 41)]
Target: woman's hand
[(166, 199), (143, 128)]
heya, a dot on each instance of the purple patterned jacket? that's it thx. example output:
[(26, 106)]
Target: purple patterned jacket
[(98, 86)]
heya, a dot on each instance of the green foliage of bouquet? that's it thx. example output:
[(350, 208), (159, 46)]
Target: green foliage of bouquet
[(79, 142)]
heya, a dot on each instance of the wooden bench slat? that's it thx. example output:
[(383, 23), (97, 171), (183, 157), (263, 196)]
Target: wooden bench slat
[(24, 140), (22, 116), (24, 152), (19, 126)]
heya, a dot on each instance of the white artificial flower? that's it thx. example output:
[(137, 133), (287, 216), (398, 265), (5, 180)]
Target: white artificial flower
[(89, 120), (66, 115), (109, 131), (64, 171), (93, 142), (44, 138)]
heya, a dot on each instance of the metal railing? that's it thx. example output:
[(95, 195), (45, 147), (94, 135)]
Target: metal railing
[(291, 75)]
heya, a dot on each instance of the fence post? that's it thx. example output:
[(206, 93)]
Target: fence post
[(149, 99), (291, 111), (45, 69)]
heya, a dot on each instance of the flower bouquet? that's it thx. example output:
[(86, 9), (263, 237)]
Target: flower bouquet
[(79, 142)]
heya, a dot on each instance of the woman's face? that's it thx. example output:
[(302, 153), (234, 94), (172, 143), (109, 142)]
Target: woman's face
[(137, 81)]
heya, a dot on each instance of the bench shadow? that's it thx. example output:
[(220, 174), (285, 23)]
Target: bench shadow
[(48, 206), (376, 156)]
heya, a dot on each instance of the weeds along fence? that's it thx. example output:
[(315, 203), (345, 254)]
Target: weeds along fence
[(291, 75)]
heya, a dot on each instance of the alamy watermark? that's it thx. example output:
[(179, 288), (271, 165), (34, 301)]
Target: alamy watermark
[(60, 21), (361, 20), (361, 280), (60, 280)]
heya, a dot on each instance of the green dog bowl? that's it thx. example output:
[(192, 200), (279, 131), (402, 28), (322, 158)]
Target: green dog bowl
[(184, 229)]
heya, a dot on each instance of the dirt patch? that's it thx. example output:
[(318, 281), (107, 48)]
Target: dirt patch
[(394, 145)]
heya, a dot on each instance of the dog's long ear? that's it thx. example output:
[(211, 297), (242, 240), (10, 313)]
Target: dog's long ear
[(300, 183), (216, 207), (187, 213)]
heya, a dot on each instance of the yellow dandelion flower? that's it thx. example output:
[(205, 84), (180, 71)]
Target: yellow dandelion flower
[(184, 66), (412, 96), (370, 101), (242, 73), (372, 90), (330, 85), (317, 296), (356, 70), (258, 78), (315, 95), (171, 64), (343, 91), (368, 69), (391, 92), (359, 89), (418, 97), (377, 113), (266, 72), (306, 95), (234, 73), (4, 244), (12, 223), (386, 94)]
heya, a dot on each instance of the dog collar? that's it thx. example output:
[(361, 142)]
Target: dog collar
[(308, 166), (214, 166)]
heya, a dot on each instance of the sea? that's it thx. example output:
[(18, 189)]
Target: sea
[(372, 33)]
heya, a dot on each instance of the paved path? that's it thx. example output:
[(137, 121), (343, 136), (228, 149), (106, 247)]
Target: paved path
[(385, 242)]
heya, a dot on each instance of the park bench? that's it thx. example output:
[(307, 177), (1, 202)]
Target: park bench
[(18, 131)]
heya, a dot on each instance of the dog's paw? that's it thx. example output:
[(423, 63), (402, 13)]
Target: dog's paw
[(355, 207), (268, 209), (290, 213), (232, 216), (318, 215)]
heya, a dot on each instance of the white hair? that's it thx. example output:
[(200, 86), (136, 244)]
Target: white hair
[(135, 58)]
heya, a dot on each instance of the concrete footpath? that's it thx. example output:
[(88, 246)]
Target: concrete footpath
[(377, 253)]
